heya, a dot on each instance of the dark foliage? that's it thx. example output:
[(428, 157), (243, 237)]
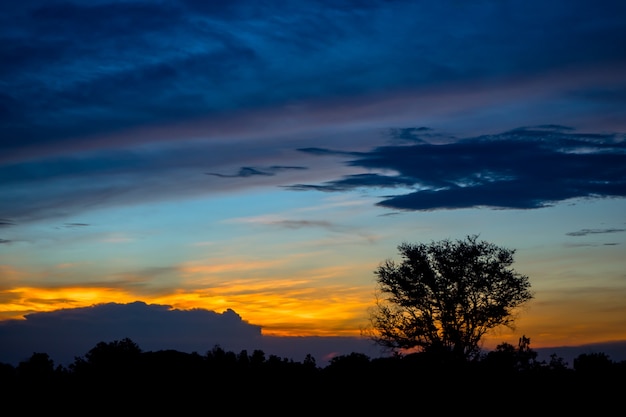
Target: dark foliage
[(444, 296), (118, 377)]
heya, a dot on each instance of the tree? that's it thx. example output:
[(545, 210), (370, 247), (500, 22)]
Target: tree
[(38, 367), (116, 357), (593, 363), (444, 296), (508, 358)]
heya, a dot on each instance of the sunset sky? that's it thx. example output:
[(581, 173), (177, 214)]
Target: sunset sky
[(266, 156)]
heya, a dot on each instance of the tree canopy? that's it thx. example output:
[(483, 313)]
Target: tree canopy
[(444, 296)]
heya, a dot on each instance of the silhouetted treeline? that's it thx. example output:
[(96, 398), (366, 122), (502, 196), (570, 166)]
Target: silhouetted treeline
[(120, 377)]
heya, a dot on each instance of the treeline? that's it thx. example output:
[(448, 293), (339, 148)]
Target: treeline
[(119, 375)]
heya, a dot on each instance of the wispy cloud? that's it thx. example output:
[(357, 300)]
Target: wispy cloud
[(75, 225), (162, 62), (295, 224), (250, 172), (298, 224), (585, 232), (6, 223)]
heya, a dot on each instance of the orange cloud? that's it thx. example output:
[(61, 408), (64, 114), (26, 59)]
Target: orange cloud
[(310, 303), (234, 266), (19, 301), (303, 305)]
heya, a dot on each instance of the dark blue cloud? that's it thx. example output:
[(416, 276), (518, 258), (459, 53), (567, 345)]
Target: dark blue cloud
[(251, 172), (58, 186), (139, 161), (72, 332), (69, 333), (71, 69), (322, 151), (5, 223), (74, 225), (585, 232), (524, 168), (351, 182)]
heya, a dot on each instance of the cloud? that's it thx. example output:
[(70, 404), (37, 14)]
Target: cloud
[(250, 172), (81, 69), (292, 224), (187, 88), (325, 152), (585, 232), (298, 224), (69, 184), (525, 168), (5, 223), (353, 181), (323, 224), (69, 333)]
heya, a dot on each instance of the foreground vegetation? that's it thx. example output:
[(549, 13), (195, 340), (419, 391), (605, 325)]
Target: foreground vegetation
[(119, 377)]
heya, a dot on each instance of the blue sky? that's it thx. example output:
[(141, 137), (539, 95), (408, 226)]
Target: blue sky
[(265, 157)]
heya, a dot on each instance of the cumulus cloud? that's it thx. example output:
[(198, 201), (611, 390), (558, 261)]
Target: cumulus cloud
[(64, 334), (525, 168), (70, 333)]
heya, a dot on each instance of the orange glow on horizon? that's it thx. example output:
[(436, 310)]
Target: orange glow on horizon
[(300, 308), (302, 312), (25, 300)]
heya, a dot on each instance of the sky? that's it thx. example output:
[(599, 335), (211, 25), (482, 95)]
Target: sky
[(247, 165)]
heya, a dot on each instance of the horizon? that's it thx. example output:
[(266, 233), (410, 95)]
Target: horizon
[(265, 158), (67, 334)]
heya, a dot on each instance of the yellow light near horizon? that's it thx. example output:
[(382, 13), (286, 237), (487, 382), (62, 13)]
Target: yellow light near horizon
[(25, 300), (295, 312), (235, 266), (282, 308)]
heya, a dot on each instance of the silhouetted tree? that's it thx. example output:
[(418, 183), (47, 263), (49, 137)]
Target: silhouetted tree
[(7, 372), (353, 362), (444, 296), (593, 363), (507, 358), (116, 357), (257, 358), (218, 358), (38, 367), (243, 359), (309, 362), (557, 363)]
